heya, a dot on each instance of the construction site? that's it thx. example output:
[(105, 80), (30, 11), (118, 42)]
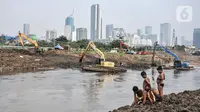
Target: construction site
[(14, 60), (21, 59)]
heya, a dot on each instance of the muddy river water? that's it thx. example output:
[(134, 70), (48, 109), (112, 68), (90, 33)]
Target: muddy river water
[(75, 91)]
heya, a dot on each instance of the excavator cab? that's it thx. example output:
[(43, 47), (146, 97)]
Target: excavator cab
[(99, 60), (177, 64)]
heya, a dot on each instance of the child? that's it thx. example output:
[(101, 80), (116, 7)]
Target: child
[(160, 80), (147, 87)]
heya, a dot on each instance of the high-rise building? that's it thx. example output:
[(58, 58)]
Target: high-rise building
[(51, 34), (26, 29), (148, 30), (68, 32), (101, 35), (109, 31), (70, 21), (176, 41), (173, 37), (69, 29), (152, 37), (95, 32), (165, 34), (182, 40), (139, 32), (81, 33), (196, 37)]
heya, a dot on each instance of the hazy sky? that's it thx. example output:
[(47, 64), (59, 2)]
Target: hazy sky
[(128, 14)]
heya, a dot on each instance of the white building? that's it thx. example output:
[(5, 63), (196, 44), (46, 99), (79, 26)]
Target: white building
[(135, 40), (81, 33), (68, 32), (51, 34), (116, 32)]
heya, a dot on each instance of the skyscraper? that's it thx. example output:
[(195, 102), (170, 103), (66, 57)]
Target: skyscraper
[(182, 40), (68, 32), (148, 30), (26, 29), (196, 37), (139, 32), (70, 21), (69, 29), (109, 30), (81, 33), (176, 41), (174, 37), (165, 34), (96, 23)]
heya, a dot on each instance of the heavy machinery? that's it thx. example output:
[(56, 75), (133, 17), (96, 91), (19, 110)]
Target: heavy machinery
[(177, 62), (101, 64), (127, 51), (37, 49), (101, 61)]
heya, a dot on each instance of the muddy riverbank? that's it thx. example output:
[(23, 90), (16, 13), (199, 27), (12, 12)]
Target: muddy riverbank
[(15, 61), (187, 101)]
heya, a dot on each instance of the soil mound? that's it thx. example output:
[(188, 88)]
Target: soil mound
[(187, 101)]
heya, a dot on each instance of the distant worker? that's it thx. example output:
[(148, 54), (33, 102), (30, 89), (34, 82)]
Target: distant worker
[(120, 64), (160, 79)]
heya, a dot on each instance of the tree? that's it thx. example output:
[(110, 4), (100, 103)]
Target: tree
[(74, 45), (115, 44), (62, 38), (44, 43)]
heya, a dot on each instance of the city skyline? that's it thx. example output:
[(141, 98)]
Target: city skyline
[(52, 18)]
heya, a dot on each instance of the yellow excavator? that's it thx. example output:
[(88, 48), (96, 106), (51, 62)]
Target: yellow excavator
[(101, 61), (101, 64), (20, 35)]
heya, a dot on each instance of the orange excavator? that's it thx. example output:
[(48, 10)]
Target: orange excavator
[(127, 51), (36, 47)]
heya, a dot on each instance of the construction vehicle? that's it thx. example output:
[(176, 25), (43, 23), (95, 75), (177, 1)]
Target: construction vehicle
[(177, 62), (36, 48), (101, 64), (127, 51)]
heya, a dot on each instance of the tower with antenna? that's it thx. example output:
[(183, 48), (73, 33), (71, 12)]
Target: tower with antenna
[(69, 27)]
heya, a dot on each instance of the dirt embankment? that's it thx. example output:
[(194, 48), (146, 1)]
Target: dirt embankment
[(14, 61), (187, 101)]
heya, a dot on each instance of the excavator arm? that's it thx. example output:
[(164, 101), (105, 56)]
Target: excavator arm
[(20, 35), (169, 52), (122, 43), (92, 45)]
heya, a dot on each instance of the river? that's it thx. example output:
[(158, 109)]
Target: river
[(76, 91)]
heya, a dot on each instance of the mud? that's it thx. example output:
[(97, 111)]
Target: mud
[(15, 61), (187, 101)]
